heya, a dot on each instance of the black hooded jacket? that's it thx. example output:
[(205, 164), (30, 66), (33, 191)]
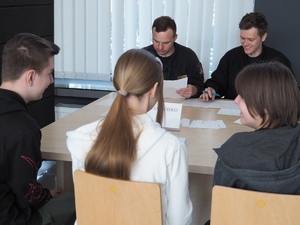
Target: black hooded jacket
[(183, 62), (223, 78), (20, 159)]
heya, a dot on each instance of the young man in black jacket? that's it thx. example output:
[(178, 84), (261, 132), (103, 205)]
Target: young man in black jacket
[(253, 32), (27, 66), (178, 60)]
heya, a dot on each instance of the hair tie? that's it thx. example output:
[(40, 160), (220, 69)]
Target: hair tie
[(122, 92)]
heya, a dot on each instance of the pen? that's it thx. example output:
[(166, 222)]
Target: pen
[(211, 93)]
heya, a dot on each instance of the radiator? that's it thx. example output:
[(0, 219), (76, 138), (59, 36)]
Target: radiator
[(62, 110)]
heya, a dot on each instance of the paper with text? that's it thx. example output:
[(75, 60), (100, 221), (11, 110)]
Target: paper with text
[(171, 86), (172, 115)]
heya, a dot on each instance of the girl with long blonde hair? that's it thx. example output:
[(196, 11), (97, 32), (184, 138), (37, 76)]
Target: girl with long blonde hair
[(129, 145)]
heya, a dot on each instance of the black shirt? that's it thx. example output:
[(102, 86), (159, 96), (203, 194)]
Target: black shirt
[(182, 63), (223, 78)]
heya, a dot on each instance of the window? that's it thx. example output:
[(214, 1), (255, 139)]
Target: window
[(93, 34)]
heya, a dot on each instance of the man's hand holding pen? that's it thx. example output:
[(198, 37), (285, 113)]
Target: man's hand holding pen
[(208, 94)]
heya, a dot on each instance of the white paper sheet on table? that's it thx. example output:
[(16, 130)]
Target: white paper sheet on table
[(170, 87), (222, 104), (238, 121), (231, 112), (226, 107), (210, 124)]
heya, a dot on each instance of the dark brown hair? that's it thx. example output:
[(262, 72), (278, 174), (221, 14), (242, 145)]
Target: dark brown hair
[(270, 91), (24, 52), (163, 23), (115, 148), (256, 20)]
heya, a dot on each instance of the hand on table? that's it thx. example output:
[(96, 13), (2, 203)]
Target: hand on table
[(208, 96)]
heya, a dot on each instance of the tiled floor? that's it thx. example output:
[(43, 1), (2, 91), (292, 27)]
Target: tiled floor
[(199, 185)]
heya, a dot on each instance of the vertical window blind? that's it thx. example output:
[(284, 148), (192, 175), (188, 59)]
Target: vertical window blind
[(92, 34)]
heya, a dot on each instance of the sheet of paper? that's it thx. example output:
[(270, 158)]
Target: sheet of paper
[(231, 112), (196, 123), (185, 122), (238, 121), (221, 124), (209, 124), (226, 107), (222, 104), (172, 115), (194, 102), (170, 87)]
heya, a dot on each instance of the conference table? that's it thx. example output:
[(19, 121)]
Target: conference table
[(200, 142)]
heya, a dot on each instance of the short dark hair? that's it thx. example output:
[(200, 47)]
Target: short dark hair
[(270, 87), (26, 51), (256, 20), (163, 23)]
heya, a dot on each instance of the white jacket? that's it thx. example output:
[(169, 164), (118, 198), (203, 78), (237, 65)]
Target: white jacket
[(161, 158)]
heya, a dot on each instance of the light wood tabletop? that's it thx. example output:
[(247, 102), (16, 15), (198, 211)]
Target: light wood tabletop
[(200, 142)]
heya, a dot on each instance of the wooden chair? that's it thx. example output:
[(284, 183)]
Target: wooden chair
[(100, 200), (242, 207)]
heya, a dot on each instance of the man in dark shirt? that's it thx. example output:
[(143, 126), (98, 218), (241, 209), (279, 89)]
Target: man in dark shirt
[(178, 61), (253, 32), (27, 67)]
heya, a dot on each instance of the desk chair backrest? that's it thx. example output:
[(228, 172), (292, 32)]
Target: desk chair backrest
[(242, 207), (100, 200)]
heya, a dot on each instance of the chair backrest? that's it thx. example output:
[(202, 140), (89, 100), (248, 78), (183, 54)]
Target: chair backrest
[(101, 200), (236, 206)]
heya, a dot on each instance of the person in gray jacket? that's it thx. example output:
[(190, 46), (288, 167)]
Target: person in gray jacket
[(266, 159)]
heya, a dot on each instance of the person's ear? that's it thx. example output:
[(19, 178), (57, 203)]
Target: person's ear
[(30, 76), (175, 37), (153, 90), (263, 38)]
